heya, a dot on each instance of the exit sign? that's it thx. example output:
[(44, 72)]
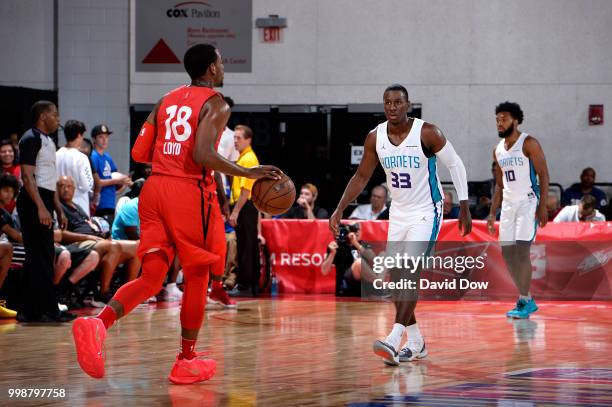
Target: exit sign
[(271, 34)]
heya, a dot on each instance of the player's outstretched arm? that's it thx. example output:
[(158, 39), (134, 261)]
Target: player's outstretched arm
[(435, 141), (497, 196), (143, 148), (358, 181), (213, 118), (533, 150)]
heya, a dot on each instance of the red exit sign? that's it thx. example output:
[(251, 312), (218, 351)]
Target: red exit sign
[(271, 34)]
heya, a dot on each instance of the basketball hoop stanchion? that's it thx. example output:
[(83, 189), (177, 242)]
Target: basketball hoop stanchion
[(271, 27)]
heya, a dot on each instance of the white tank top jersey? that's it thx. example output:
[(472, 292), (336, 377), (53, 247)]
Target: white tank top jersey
[(412, 177), (518, 173)]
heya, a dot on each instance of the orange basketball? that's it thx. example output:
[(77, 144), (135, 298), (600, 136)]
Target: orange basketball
[(273, 196)]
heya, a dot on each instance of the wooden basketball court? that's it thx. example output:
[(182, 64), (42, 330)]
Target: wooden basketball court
[(312, 351)]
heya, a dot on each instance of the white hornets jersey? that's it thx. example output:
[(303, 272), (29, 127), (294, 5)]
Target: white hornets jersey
[(518, 173), (412, 177)]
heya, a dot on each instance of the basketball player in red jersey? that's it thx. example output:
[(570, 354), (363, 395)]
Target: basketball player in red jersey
[(178, 211)]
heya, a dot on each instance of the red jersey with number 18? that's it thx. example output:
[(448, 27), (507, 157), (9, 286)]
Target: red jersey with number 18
[(177, 123)]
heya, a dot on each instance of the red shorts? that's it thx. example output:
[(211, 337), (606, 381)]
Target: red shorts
[(174, 215)]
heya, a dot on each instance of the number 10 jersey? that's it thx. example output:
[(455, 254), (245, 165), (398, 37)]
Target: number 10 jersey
[(518, 174), (412, 177), (176, 123)]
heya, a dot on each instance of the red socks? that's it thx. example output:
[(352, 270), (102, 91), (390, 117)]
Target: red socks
[(187, 349), (216, 285), (108, 316)]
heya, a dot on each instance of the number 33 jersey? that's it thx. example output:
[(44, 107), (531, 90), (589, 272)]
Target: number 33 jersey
[(177, 122), (518, 173), (412, 177)]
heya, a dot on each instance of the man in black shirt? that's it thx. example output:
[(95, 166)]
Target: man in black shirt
[(35, 205)]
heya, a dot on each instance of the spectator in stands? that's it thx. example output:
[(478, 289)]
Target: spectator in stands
[(227, 148), (305, 206), (574, 194), (8, 157), (244, 217), (110, 179), (451, 211), (73, 163), (583, 212), (344, 254), (87, 148), (378, 204), (86, 233), (8, 188), (552, 206), (35, 204)]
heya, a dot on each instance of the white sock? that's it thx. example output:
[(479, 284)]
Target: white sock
[(170, 285), (395, 337), (525, 297), (414, 334)]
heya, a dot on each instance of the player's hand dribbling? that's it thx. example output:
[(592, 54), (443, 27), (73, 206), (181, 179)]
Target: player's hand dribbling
[(334, 221), (264, 171), (491, 225)]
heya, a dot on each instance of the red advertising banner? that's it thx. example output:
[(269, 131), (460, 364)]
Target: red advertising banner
[(570, 261)]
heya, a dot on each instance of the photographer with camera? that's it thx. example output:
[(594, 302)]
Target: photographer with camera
[(345, 253)]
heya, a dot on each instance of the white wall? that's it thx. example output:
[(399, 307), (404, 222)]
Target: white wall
[(458, 58), (93, 68), (26, 30)]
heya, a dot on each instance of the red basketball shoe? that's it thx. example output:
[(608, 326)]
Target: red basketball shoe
[(219, 295), (89, 334), (188, 371)]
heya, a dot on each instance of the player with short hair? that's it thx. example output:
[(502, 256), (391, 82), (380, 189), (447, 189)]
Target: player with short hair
[(179, 212), (520, 162), (408, 150)]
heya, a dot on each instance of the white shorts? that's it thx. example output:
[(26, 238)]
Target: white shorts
[(518, 221), (416, 226)]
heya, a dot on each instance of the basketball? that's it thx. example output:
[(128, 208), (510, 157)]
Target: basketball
[(273, 196)]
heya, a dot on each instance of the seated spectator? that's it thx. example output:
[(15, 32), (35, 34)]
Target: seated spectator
[(72, 263), (126, 225), (583, 212), (552, 206), (574, 194), (86, 233), (343, 253), (8, 189), (8, 156), (377, 205), (451, 211), (305, 207)]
